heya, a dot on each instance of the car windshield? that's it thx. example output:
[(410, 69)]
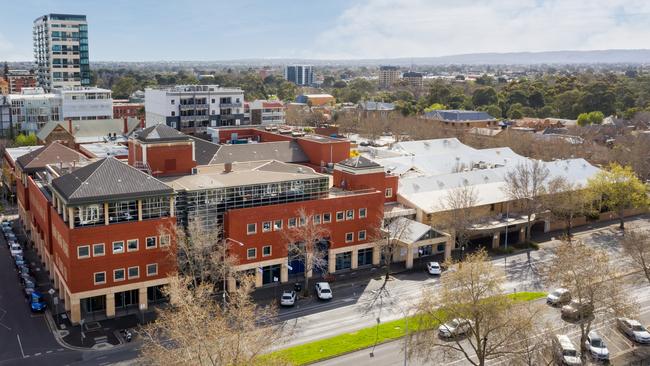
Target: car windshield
[(286, 297), (325, 291), (452, 324), (434, 265), (638, 328), (556, 293), (569, 353), (597, 343)]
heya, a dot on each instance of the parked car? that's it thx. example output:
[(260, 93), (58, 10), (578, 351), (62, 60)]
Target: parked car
[(288, 298), (558, 297), (19, 260), (30, 287), (577, 309), (23, 270), (564, 352), (37, 304), (16, 249), (25, 279), (323, 291), (11, 236), (434, 268), (596, 346), (634, 330), (455, 328)]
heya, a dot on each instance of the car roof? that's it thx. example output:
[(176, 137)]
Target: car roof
[(594, 335), (287, 292), (632, 321), (323, 284), (565, 342)]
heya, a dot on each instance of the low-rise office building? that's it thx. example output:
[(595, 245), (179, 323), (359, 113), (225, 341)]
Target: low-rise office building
[(264, 112), (461, 119)]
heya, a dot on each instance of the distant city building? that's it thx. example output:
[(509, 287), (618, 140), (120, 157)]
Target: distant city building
[(413, 78), (461, 119), (376, 109), (4, 86), (299, 74), (123, 108), (19, 79), (5, 116), (193, 108), (388, 75), (264, 112), (61, 51), (316, 100)]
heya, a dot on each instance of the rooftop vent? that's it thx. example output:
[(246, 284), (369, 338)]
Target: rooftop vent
[(227, 167)]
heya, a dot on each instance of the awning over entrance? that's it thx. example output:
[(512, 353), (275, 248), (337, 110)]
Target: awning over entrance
[(417, 239)]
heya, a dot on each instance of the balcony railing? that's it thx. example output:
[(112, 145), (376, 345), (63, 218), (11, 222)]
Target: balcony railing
[(230, 105)]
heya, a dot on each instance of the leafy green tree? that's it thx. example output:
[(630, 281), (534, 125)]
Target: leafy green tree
[(619, 189), (536, 99), (124, 87), (493, 110), (598, 96), (517, 97), (591, 118), (516, 111), (434, 107), (567, 104), (484, 96), (26, 140)]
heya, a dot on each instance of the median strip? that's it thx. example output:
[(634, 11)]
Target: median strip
[(341, 344)]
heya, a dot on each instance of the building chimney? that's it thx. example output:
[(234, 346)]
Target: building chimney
[(142, 122), (126, 125), (227, 167), (70, 127)]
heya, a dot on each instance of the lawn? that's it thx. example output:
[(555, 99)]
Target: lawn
[(364, 338)]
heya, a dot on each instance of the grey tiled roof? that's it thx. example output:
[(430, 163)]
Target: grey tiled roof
[(107, 179), (53, 153), (359, 162), (284, 151), (459, 116), (161, 132), (204, 150)]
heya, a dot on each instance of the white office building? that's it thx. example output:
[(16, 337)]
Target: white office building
[(61, 51), (193, 108), (264, 112)]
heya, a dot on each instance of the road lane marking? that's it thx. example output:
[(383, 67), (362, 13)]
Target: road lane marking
[(21, 346)]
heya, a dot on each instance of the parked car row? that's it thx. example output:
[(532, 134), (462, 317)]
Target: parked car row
[(36, 300)]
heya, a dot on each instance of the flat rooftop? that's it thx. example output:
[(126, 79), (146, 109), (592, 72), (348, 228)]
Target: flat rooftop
[(106, 149)]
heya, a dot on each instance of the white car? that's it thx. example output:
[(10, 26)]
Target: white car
[(434, 268), (323, 291), (634, 330), (596, 346), (558, 297), (288, 298), (16, 250), (565, 352), (455, 328)]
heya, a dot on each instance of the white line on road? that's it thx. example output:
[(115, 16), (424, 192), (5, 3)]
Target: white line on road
[(21, 346)]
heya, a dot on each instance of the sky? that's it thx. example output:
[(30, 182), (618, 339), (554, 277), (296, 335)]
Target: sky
[(204, 30)]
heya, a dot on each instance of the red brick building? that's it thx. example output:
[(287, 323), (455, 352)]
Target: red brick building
[(122, 109)]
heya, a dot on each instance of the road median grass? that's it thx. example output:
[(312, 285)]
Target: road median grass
[(322, 349)]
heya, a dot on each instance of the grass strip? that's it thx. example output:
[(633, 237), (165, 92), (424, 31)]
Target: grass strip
[(322, 349)]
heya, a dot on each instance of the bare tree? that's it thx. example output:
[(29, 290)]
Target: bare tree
[(525, 184), (636, 245), (304, 241), (195, 330), (566, 201), (592, 281), (472, 292), (459, 214)]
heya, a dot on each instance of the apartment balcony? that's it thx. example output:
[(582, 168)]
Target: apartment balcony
[(185, 107), (230, 105)]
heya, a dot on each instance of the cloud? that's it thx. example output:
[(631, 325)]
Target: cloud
[(420, 28)]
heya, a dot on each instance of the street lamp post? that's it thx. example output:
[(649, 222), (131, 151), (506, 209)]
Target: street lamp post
[(225, 247), (505, 257)]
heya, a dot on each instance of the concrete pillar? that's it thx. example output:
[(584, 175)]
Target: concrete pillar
[(449, 245), (522, 235), (106, 220), (71, 217), (139, 210), (258, 278), (376, 256), (409, 257), (496, 240), (172, 212), (284, 273), (75, 311), (547, 226), (355, 259), (110, 305), (142, 296), (331, 265), (56, 281), (231, 284), (66, 299)]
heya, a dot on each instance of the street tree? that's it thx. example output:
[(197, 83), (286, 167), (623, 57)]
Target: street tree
[(566, 201), (459, 215), (196, 330), (619, 189), (593, 282), (305, 237), (525, 184), (474, 292), (636, 245)]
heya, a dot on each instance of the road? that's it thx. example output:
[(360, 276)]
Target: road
[(350, 310)]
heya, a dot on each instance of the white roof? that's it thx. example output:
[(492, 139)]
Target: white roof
[(407, 230)]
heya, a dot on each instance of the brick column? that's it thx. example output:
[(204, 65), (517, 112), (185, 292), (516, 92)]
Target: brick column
[(449, 245), (284, 273), (66, 298), (258, 278), (110, 305), (106, 220), (409, 257), (355, 259), (142, 296), (522, 235), (331, 262), (75, 310), (376, 255), (496, 240)]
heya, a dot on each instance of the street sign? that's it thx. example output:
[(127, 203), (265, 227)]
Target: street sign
[(51, 291), (275, 279), (143, 306)]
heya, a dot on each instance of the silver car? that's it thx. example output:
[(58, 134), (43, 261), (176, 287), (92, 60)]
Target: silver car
[(596, 346), (633, 329), (455, 328), (288, 298)]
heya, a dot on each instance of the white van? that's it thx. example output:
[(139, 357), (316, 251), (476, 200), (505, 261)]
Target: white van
[(565, 352)]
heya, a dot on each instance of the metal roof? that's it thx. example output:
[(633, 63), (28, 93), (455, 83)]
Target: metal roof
[(284, 151), (459, 116), (53, 153), (161, 132)]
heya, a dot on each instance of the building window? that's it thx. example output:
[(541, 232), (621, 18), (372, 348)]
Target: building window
[(291, 223), (173, 101), (155, 207), (164, 240), (173, 114), (266, 226), (123, 211), (213, 101), (151, 242), (303, 221), (349, 215), (251, 253), (349, 237), (362, 213), (118, 247), (266, 251), (277, 225), (83, 251), (134, 272), (118, 275), (99, 277), (364, 257), (251, 229), (132, 245), (343, 261), (361, 235), (389, 192), (98, 250), (340, 216), (327, 218), (152, 269), (316, 219)]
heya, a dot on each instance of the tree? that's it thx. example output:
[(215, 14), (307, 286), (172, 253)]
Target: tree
[(435, 107), (566, 201), (484, 96), (195, 330), (516, 111), (474, 291), (636, 245), (25, 140), (592, 281), (459, 215), (305, 242), (619, 189), (525, 184), (591, 118), (493, 110), (124, 87)]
